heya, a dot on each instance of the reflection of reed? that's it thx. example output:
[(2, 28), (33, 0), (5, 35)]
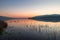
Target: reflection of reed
[(34, 25), (48, 30), (44, 29)]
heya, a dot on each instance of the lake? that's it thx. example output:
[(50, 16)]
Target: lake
[(27, 29)]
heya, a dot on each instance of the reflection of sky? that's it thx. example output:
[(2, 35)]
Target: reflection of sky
[(29, 7), (33, 25)]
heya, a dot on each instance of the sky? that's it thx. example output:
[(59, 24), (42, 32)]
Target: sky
[(28, 8)]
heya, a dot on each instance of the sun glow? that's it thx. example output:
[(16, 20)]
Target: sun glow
[(25, 9)]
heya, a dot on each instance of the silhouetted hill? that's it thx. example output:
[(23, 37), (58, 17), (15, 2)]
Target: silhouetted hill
[(51, 18), (4, 18), (9, 18)]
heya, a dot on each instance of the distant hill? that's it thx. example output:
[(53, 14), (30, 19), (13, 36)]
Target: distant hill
[(4, 18), (9, 18), (51, 18)]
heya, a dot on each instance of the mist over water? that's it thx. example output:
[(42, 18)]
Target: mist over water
[(26, 29)]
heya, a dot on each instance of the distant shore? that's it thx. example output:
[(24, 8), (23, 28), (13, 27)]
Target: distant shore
[(47, 18)]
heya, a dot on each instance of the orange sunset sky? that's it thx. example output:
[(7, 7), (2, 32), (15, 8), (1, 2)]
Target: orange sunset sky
[(28, 8)]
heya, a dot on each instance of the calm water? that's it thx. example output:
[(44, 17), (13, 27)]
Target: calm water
[(31, 30)]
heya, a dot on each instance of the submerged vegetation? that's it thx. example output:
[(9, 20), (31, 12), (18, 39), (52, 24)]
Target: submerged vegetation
[(2, 26)]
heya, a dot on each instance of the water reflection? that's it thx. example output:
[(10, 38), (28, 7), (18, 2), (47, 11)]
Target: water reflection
[(32, 30)]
